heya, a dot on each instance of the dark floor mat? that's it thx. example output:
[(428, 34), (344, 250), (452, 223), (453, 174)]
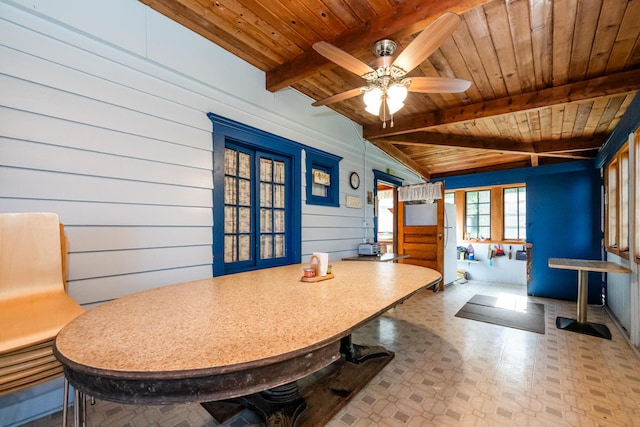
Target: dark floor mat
[(528, 316)]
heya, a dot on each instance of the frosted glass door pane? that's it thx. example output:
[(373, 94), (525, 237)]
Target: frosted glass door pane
[(278, 196), (230, 162), (230, 195), (245, 165), (279, 245), (245, 247), (266, 222), (230, 249), (244, 225), (265, 195), (255, 206), (266, 242)]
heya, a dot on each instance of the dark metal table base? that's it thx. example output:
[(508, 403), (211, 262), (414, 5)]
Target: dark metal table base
[(279, 406), (587, 328), (355, 353), (315, 400)]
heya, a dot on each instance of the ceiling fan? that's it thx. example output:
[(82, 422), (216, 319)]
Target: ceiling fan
[(387, 84)]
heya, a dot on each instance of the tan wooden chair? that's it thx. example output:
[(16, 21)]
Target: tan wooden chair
[(34, 304)]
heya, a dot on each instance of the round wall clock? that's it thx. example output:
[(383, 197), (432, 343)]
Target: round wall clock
[(354, 180)]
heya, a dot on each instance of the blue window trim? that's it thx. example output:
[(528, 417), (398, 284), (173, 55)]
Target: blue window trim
[(316, 159), (389, 179), (228, 130)]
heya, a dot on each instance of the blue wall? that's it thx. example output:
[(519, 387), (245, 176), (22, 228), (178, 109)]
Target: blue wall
[(513, 176), (563, 220)]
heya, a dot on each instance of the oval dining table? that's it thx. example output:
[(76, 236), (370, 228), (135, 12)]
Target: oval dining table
[(247, 334)]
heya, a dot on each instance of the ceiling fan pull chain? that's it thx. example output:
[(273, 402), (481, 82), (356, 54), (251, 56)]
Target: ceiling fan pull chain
[(384, 111)]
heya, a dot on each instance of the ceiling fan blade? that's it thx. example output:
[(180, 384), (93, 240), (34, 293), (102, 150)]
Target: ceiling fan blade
[(339, 97), (427, 42), (342, 58), (438, 85)]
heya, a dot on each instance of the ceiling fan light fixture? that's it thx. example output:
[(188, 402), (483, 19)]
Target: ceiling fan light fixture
[(372, 100), (394, 105), (374, 108), (396, 94), (393, 95)]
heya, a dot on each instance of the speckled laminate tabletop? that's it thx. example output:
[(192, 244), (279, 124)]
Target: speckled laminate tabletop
[(235, 320)]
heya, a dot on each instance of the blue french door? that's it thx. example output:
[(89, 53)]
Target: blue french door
[(255, 208), (257, 191)]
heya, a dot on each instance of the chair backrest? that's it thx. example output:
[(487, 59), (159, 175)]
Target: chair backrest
[(64, 250), (30, 254)]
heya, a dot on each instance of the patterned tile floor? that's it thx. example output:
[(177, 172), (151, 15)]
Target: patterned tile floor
[(450, 371)]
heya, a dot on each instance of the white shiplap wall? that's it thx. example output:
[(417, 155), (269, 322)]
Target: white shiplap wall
[(103, 120), (127, 169)]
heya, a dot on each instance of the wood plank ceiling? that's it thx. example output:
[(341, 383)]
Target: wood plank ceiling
[(550, 79)]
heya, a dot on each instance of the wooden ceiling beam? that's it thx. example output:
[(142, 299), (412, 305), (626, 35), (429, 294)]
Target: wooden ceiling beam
[(613, 84), (571, 145), (408, 17), (481, 169), (398, 155), (461, 141), (567, 148)]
